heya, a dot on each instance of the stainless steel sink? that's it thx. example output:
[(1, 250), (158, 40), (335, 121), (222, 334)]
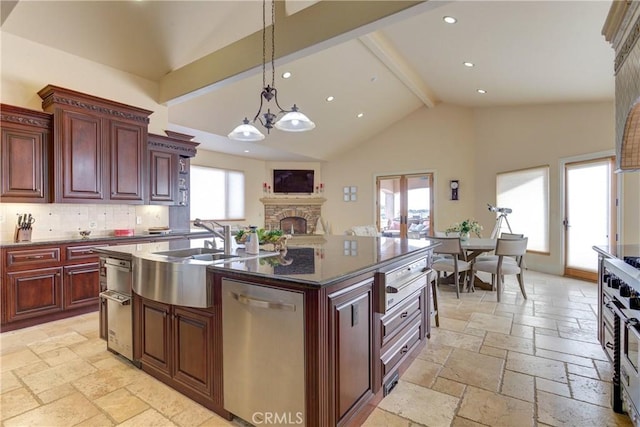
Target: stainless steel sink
[(211, 257), (190, 252)]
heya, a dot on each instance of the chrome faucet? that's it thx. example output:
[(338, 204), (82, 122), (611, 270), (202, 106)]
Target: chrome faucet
[(225, 235)]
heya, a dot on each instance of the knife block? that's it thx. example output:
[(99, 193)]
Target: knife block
[(23, 235)]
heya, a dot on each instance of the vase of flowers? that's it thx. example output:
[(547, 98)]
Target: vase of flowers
[(465, 228)]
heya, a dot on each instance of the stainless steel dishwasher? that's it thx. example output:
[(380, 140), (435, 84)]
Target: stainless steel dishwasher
[(263, 353)]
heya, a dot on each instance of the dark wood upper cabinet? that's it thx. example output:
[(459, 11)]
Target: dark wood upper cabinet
[(25, 153), (169, 168), (99, 148)]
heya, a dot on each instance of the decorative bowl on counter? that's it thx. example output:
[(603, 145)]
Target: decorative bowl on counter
[(85, 233), (123, 232)]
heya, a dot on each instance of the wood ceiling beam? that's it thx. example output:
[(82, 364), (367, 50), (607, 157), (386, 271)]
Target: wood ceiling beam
[(317, 27), (384, 50)]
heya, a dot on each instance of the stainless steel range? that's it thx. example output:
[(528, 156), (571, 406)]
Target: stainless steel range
[(621, 292)]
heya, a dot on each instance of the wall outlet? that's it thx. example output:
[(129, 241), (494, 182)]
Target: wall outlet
[(138, 220), (93, 224), (1, 218)]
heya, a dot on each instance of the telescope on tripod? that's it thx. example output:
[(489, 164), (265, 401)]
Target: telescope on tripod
[(501, 218)]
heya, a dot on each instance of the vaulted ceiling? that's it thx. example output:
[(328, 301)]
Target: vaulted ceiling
[(384, 59)]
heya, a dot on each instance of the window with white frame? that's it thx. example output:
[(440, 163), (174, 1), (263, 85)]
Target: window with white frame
[(527, 193), (216, 194)]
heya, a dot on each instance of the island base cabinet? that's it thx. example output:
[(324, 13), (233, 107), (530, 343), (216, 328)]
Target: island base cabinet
[(351, 329), (176, 347), (193, 349), (155, 337)]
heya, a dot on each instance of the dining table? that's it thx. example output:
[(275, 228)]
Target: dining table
[(474, 247)]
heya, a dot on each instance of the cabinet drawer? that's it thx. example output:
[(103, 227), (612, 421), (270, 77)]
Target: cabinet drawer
[(397, 352), (400, 316), (82, 252), (32, 257)]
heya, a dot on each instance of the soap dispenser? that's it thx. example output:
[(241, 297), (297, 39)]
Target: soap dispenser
[(252, 245)]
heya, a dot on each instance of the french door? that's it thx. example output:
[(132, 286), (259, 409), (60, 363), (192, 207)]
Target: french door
[(405, 205), (590, 214)]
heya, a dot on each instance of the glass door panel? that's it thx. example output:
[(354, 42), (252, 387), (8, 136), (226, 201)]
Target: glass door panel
[(418, 206), (405, 205), (589, 220)]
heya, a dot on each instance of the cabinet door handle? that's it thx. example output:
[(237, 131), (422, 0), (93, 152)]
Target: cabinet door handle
[(404, 314), (34, 257), (609, 344), (272, 305), (404, 349)]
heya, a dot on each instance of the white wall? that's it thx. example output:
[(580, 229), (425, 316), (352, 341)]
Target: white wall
[(512, 138), (438, 140)]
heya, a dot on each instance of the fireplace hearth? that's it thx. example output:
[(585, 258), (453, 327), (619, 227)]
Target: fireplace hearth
[(296, 214), (294, 225)]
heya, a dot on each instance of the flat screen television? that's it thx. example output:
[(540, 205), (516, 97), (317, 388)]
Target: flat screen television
[(292, 181)]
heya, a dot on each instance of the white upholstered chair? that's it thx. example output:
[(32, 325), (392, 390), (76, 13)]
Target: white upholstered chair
[(456, 263), (494, 257), (499, 267)]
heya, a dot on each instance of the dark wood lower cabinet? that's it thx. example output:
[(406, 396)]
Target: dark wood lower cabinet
[(193, 349), (176, 346), (34, 293), (81, 285), (155, 342), (351, 338)]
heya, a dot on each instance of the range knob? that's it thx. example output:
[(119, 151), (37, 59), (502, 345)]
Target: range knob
[(625, 290), (614, 282)]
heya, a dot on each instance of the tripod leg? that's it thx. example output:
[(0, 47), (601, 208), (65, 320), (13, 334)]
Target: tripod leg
[(497, 227)]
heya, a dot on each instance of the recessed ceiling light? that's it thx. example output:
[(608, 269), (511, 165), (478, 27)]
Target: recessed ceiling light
[(360, 115), (482, 91), (449, 19), (330, 98), (286, 75), (246, 151), (468, 64)]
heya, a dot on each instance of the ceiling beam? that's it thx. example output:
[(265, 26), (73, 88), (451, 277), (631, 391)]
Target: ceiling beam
[(6, 6), (384, 50), (299, 34)]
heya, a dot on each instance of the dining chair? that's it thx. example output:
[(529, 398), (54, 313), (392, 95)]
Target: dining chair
[(499, 267), (493, 257), (455, 263)]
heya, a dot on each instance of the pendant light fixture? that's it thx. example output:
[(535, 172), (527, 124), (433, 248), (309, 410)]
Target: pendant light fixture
[(292, 120)]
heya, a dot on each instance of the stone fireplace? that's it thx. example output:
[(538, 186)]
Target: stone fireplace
[(294, 215)]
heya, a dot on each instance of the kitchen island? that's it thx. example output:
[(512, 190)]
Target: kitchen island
[(311, 336)]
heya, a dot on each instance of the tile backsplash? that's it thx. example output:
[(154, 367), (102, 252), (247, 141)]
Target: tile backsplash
[(54, 221)]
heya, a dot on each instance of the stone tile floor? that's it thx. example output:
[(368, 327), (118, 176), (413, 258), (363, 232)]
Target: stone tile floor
[(515, 363)]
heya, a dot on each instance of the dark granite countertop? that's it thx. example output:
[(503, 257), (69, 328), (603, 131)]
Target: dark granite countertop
[(331, 259), (314, 260), (93, 239)]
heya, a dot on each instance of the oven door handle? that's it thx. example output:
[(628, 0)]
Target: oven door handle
[(629, 324), (614, 307), (395, 289)]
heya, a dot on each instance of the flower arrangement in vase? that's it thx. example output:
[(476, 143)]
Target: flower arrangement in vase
[(465, 228)]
